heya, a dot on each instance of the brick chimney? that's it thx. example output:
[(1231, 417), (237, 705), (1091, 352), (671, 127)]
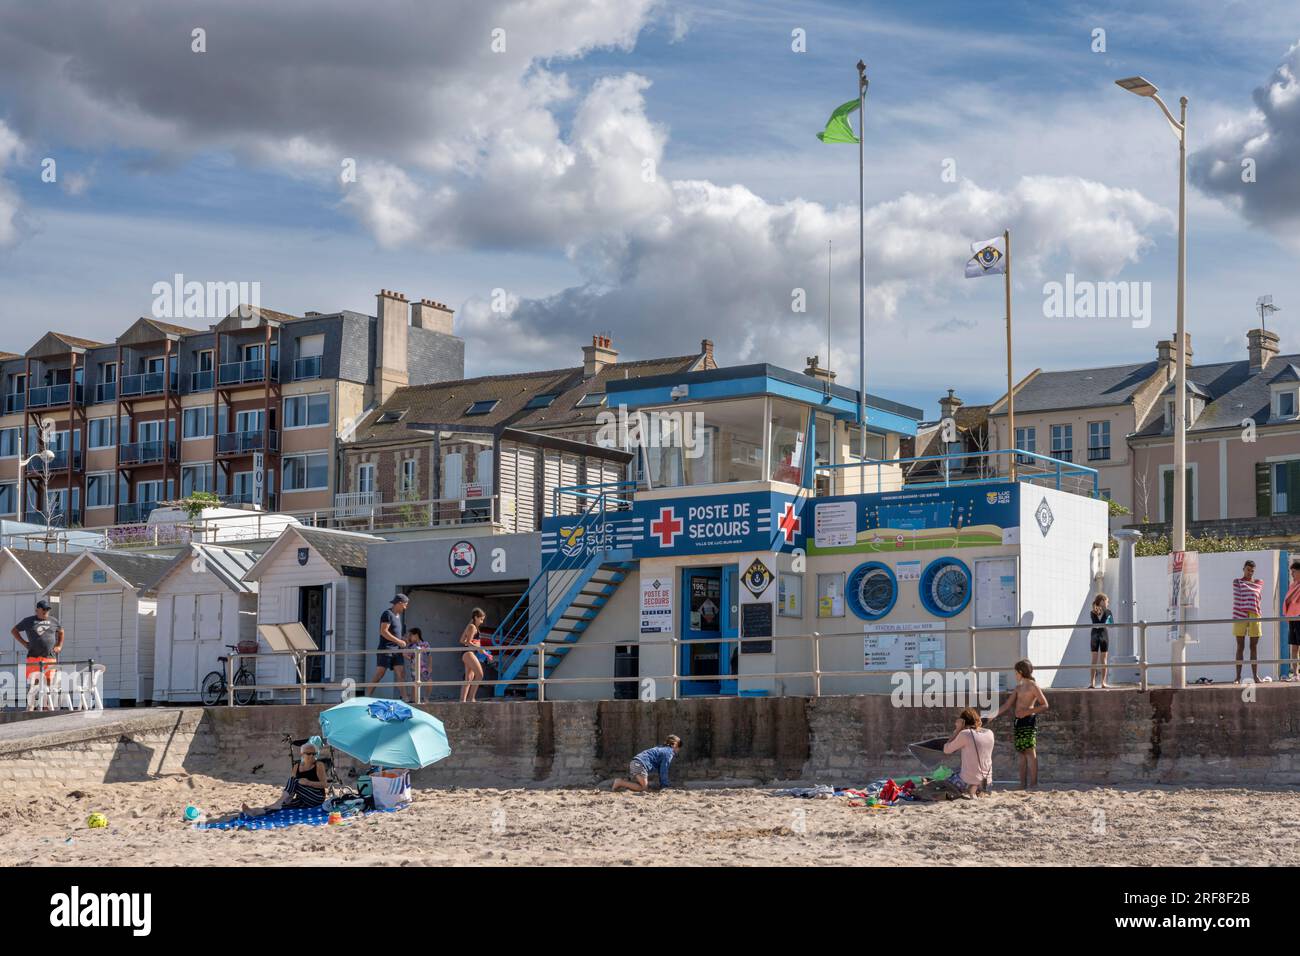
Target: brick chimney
[(597, 355), (390, 343), (1263, 345), (949, 404), (816, 371), (1167, 356), (427, 314), (706, 349)]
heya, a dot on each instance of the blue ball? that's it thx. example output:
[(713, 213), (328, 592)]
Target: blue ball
[(191, 813)]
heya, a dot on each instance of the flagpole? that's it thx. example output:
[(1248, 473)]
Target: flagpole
[(862, 281), (1011, 395)]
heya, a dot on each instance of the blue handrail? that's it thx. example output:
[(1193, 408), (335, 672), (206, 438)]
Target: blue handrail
[(1058, 468)]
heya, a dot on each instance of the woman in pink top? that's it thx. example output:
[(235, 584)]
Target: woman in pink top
[(1291, 609), (975, 744)]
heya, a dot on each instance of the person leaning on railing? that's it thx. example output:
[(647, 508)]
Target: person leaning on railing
[(1291, 609)]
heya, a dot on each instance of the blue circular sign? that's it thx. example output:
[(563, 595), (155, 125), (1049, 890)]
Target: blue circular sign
[(945, 587), (872, 590)]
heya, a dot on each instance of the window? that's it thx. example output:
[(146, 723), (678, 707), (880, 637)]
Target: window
[(100, 435), (9, 442), (307, 472), (789, 594), (1286, 406), (99, 489), (483, 407), (1167, 492), (1104, 493), (1098, 441), (591, 400), (250, 421), (149, 491), (108, 371), (1026, 440), (1063, 442), (542, 401), (311, 346), (305, 411), (390, 417), (786, 460), (195, 478), (410, 483), (196, 422), (203, 360), (365, 478), (9, 498), (1286, 487)]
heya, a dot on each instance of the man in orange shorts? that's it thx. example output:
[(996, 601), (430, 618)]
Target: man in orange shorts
[(42, 636)]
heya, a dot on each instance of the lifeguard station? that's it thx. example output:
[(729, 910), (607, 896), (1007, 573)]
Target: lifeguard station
[(762, 510)]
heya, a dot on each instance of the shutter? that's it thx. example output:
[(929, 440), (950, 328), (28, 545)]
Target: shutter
[(550, 481), (1292, 469), (483, 471), (1263, 490), (570, 504), (453, 475), (526, 489), (509, 484)]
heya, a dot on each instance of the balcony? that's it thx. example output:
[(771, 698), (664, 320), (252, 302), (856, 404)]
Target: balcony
[(246, 373), (53, 396), (15, 402), (57, 520), (245, 443), (146, 383), (136, 512), (106, 392), (357, 504), (201, 381), (307, 368), (61, 460), (147, 452)]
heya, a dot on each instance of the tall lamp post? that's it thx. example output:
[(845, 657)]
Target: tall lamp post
[(1143, 87)]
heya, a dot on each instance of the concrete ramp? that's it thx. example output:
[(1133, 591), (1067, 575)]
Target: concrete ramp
[(103, 746)]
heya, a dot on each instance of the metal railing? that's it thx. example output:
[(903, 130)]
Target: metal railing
[(814, 675), (106, 392), (305, 368), (243, 443), (147, 452), (46, 396), (201, 381), (15, 402), (244, 373), (62, 456), (137, 511), (988, 467), (146, 383)]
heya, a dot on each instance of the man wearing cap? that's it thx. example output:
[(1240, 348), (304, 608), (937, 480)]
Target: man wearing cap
[(391, 641), (42, 636)]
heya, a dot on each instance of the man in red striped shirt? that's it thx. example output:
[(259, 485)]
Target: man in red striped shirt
[(1247, 599)]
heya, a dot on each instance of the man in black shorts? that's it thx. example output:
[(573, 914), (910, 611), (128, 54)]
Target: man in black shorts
[(391, 640)]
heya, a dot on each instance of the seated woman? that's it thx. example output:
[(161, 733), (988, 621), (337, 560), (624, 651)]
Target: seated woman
[(975, 744), (304, 790)]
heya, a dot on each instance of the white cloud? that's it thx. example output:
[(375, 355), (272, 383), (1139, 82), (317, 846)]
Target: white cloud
[(11, 148)]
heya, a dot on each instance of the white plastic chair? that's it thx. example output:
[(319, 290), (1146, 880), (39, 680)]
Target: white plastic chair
[(40, 693), (90, 683)]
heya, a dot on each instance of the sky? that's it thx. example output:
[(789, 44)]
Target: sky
[(650, 170)]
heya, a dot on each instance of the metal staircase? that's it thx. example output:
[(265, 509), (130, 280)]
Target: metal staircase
[(564, 599)]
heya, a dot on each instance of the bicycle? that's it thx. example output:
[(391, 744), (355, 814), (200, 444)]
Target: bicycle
[(215, 687)]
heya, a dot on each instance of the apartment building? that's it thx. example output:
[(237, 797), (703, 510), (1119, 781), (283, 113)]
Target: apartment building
[(1243, 447), (1085, 416), (251, 409)]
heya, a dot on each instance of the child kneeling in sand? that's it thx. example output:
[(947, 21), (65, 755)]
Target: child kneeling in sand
[(975, 744), (646, 763)]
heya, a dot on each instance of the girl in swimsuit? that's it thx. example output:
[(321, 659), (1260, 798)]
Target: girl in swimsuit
[(475, 657), (1028, 702)]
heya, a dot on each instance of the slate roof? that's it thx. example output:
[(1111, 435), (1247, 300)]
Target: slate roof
[(227, 565), (1080, 388), (1234, 393), (342, 551), (445, 403), (141, 571), (44, 566)]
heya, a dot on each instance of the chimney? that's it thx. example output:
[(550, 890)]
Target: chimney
[(1167, 356), (1263, 346), (390, 343), (597, 355), (706, 349), (816, 371), (949, 404), (427, 314)]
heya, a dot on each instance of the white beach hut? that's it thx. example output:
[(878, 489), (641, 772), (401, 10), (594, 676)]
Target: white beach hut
[(25, 577), (108, 613), (204, 607), (317, 577)]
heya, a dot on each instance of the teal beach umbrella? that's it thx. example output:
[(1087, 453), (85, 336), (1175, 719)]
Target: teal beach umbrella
[(385, 733)]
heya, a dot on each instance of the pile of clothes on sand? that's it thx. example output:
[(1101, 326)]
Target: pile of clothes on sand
[(886, 793)]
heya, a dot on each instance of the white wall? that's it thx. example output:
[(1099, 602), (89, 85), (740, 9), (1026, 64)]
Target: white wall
[(1215, 641)]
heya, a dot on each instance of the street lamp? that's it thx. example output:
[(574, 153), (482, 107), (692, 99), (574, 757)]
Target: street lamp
[(1143, 87)]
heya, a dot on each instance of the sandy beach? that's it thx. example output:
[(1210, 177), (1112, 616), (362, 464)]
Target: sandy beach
[(705, 827)]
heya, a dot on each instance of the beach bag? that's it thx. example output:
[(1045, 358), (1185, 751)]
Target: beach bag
[(390, 788)]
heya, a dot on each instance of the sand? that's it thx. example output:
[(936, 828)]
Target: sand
[(1091, 826)]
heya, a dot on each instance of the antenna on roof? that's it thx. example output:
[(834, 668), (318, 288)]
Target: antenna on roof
[(1264, 305)]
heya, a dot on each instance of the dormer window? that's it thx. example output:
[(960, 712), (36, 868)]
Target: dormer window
[(1284, 404), (1284, 390)]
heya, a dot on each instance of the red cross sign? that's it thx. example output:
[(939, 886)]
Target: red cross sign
[(789, 523), (666, 527)]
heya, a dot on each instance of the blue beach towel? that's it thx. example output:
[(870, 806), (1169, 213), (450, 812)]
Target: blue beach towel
[(283, 819)]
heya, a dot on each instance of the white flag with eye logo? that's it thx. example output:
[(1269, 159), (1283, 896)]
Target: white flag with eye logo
[(989, 259)]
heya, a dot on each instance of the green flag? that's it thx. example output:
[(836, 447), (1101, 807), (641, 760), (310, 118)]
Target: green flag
[(838, 129)]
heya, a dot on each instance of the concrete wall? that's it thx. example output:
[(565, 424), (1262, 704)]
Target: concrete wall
[(1200, 736)]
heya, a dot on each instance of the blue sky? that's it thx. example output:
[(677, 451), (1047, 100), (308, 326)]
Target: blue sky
[(523, 172)]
